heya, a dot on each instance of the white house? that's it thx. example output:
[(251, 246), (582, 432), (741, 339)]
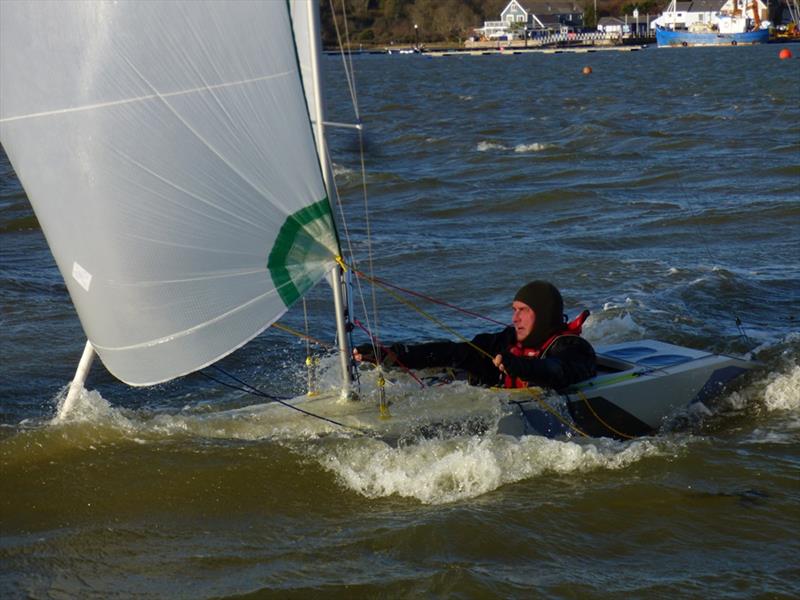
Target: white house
[(612, 25), (512, 13), (528, 15)]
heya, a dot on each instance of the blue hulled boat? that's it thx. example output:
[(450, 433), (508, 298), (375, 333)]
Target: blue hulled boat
[(667, 38), (713, 23)]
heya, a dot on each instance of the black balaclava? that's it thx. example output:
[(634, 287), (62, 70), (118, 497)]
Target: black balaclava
[(545, 300)]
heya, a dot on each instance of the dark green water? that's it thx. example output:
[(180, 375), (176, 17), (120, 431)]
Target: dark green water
[(662, 192)]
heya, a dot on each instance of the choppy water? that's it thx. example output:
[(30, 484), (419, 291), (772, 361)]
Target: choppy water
[(662, 192)]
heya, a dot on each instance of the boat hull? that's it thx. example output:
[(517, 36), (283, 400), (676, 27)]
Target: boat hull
[(666, 38), (641, 385)]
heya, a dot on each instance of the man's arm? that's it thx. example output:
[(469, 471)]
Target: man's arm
[(465, 356), (570, 360)]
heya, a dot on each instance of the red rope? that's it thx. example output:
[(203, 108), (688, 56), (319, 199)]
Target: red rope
[(388, 352), (428, 298)]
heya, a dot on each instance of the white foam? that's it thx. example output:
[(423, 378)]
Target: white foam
[(534, 147), (765, 436), (91, 407), (769, 340), (341, 170), (255, 422), (611, 329), (486, 146), (782, 390), (441, 471), (628, 302)]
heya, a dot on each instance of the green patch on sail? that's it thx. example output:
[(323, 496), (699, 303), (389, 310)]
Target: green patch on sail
[(305, 245)]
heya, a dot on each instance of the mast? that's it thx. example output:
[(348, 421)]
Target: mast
[(336, 276)]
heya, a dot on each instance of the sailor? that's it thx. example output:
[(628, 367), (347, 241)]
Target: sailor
[(539, 349)]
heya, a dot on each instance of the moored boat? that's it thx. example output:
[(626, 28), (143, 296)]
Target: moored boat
[(667, 38), (723, 24)]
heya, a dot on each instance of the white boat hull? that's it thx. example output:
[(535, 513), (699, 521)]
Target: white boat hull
[(639, 386)]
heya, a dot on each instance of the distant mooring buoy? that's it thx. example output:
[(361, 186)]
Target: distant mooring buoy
[(784, 54), (587, 70)]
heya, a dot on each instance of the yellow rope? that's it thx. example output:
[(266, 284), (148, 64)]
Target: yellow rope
[(302, 335), (538, 396), (383, 405), (583, 397), (430, 317)]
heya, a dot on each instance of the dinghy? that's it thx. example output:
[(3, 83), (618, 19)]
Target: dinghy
[(174, 154)]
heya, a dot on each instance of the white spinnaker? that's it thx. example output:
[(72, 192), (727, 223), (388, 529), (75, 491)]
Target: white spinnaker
[(163, 146)]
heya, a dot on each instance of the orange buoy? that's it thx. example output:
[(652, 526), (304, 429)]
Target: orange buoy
[(587, 70), (784, 54)]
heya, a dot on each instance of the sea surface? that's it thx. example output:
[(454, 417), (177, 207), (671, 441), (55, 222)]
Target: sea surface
[(661, 192)]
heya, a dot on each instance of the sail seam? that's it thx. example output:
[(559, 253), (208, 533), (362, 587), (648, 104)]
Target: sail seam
[(184, 333), (155, 96), (164, 98)]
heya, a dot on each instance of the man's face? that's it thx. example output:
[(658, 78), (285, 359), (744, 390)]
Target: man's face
[(523, 319)]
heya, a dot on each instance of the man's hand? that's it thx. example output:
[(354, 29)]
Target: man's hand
[(364, 353)]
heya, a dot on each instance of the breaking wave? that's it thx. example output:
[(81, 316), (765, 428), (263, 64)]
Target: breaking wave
[(782, 390), (444, 471), (534, 147), (486, 146)]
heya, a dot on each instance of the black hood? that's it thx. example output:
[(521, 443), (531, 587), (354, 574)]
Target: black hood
[(545, 300)]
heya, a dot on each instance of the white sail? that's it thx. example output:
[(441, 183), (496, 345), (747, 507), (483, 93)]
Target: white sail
[(167, 152)]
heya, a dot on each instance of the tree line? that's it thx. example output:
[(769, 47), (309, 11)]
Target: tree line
[(383, 22)]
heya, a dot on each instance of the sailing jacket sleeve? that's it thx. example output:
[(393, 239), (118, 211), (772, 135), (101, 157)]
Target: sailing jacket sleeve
[(569, 360), (457, 355)]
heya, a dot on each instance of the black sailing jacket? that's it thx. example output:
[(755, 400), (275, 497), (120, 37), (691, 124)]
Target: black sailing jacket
[(568, 360)]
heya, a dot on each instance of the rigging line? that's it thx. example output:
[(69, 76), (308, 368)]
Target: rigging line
[(311, 380), (305, 322), (348, 239), (537, 395), (350, 55), (389, 353), (430, 299), (368, 225), (430, 317), (247, 388), (301, 335), (342, 125), (241, 388), (712, 260), (343, 219), (583, 397), (348, 70), (350, 76)]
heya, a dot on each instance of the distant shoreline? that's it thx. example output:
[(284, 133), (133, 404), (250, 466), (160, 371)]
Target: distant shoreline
[(518, 47)]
